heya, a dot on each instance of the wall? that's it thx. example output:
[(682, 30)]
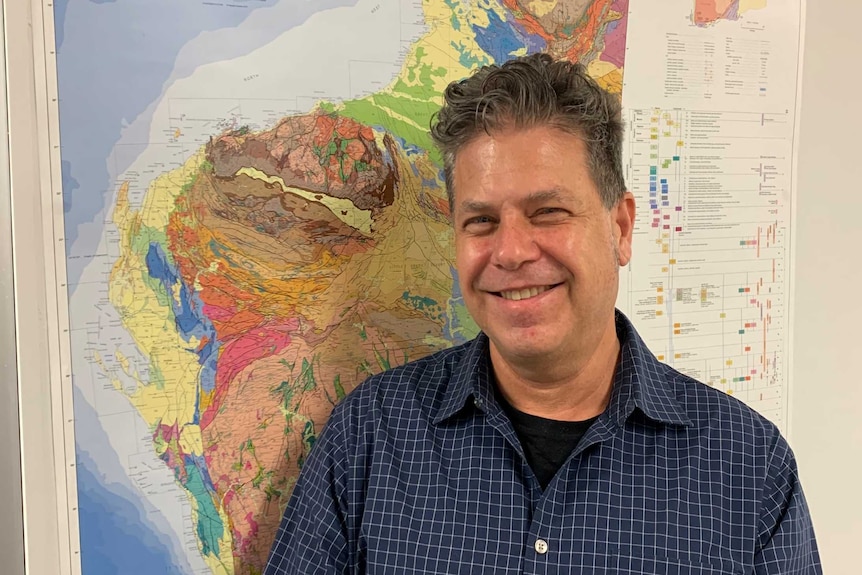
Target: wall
[(826, 427)]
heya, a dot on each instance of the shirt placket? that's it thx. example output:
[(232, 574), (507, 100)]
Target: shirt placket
[(545, 546), (537, 546)]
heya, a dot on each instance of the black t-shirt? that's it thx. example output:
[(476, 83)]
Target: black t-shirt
[(547, 443)]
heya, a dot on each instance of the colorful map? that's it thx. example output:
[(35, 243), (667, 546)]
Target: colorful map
[(256, 222), (707, 12)]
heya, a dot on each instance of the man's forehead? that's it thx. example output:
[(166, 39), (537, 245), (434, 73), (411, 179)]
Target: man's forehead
[(555, 194)]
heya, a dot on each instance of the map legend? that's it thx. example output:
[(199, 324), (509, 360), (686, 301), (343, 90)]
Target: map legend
[(713, 234)]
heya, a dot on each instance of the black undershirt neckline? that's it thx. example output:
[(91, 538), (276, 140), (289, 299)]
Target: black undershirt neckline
[(547, 443)]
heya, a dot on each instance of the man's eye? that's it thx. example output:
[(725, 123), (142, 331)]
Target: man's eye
[(549, 211), (478, 222)]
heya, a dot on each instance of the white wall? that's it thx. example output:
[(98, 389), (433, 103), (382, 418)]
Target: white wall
[(826, 426)]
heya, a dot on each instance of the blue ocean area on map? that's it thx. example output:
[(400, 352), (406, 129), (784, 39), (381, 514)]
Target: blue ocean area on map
[(136, 44), (113, 532), (117, 535)]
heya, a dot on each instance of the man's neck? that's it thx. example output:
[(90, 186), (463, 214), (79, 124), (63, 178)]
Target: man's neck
[(565, 389)]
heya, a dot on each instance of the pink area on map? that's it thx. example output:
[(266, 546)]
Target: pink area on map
[(252, 524), (237, 354), (168, 432), (615, 37), (172, 454), (256, 344), (241, 541), (218, 313)]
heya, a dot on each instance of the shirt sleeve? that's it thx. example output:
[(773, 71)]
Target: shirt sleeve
[(786, 544), (313, 535)]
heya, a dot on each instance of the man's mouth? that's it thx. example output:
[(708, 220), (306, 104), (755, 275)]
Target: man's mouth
[(525, 293)]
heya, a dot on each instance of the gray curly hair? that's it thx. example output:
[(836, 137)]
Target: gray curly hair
[(529, 91)]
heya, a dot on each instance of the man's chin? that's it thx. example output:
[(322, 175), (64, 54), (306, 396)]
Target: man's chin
[(514, 349)]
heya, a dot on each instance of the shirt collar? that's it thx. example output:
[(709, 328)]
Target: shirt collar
[(640, 381), (470, 380)]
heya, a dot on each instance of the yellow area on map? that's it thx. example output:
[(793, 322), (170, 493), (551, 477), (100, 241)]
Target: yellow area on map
[(149, 322), (607, 75), (190, 439), (438, 50), (170, 394), (746, 5), (342, 208), (479, 14), (542, 7), (151, 326)]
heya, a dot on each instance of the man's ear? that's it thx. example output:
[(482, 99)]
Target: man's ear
[(623, 220)]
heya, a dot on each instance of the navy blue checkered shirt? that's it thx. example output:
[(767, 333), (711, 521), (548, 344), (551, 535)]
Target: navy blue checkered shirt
[(419, 470)]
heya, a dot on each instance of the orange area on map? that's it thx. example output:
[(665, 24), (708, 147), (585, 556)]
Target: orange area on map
[(708, 11)]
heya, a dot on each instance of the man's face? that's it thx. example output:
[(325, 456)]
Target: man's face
[(537, 253)]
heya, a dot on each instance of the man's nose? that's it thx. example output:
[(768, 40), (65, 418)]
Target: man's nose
[(514, 244)]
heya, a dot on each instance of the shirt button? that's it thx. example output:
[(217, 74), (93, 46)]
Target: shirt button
[(541, 546)]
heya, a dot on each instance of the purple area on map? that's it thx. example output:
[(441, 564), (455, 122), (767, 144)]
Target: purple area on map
[(533, 42), (732, 11), (615, 36)]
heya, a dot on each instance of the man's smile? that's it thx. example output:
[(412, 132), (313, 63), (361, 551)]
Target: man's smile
[(519, 294)]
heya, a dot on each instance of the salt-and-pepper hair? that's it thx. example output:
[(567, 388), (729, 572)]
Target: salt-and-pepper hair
[(532, 91)]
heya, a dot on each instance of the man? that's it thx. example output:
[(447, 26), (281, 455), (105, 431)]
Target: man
[(554, 442)]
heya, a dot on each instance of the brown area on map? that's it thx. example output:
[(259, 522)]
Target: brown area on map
[(318, 152), (564, 14)]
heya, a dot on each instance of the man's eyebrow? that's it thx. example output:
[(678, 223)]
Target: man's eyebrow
[(557, 194), (472, 206)]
